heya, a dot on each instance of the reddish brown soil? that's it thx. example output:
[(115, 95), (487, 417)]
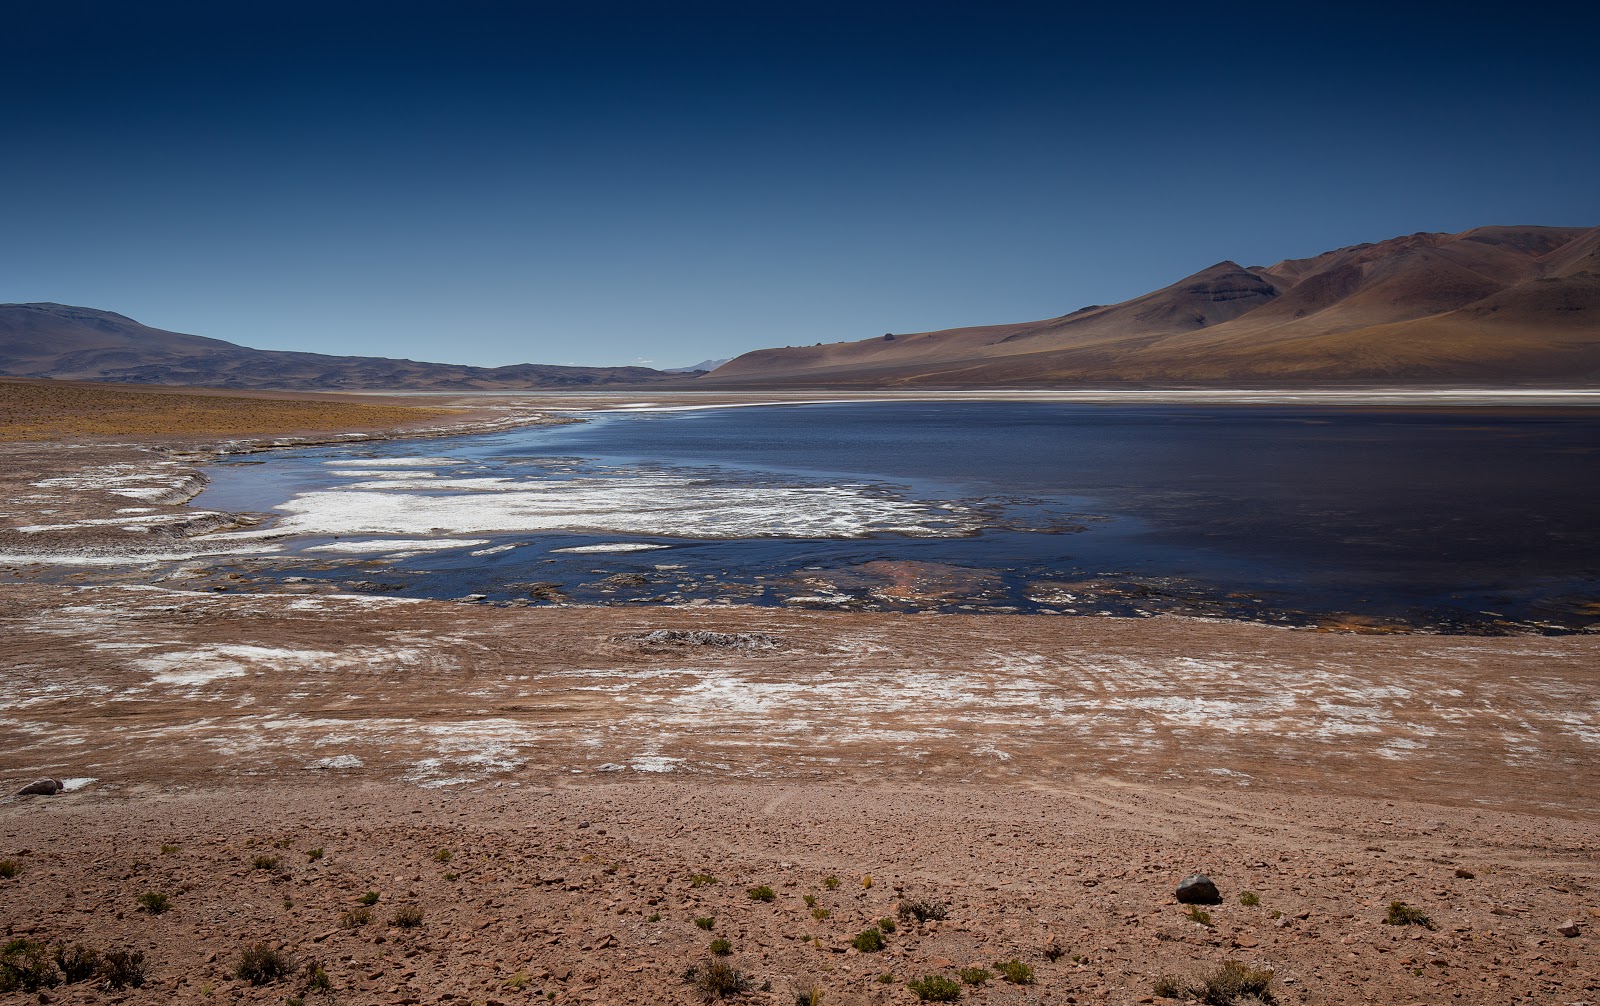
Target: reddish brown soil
[(1051, 779)]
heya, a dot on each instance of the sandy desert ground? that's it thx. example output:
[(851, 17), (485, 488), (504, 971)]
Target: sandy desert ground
[(550, 789)]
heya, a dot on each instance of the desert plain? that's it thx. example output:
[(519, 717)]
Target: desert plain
[(580, 804)]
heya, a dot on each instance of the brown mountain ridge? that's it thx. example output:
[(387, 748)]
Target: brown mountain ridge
[(1486, 306), (79, 343)]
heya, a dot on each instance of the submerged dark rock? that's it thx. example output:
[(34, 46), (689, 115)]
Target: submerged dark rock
[(701, 637)]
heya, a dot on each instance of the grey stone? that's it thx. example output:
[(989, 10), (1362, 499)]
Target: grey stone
[(41, 787), (1197, 889)]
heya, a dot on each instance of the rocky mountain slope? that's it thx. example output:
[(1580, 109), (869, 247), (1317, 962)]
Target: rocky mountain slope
[(1489, 305), (78, 343)]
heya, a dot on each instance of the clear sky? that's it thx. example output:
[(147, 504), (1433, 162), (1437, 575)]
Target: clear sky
[(600, 182)]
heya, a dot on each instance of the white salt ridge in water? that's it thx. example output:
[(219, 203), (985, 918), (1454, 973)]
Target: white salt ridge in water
[(495, 550), (632, 504), (615, 546), (399, 545), (395, 463)]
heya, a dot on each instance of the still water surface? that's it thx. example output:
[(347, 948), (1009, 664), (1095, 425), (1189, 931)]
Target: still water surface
[(1462, 520)]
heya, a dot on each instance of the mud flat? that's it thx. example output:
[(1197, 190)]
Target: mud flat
[(1049, 779)]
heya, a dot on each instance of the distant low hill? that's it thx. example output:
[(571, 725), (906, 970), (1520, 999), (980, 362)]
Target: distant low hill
[(1486, 306), (79, 343)]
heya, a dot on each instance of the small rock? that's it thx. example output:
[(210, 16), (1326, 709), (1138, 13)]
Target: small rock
[(41, 787), (1197, 889), (1569, 928), (1464, 873), (583, 824)]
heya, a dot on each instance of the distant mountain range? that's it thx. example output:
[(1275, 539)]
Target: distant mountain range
[(703, 366), (1494, 305), (1486, 306), (79, 343)]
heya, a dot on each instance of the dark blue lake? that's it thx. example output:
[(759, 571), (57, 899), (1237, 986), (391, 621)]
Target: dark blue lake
[(1468, 520)]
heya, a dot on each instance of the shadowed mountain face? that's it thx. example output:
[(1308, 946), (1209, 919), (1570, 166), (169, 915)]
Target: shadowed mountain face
[(1494, 304), (77, 343)]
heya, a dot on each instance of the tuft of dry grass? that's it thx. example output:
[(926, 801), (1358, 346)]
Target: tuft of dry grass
[(1232, 983), (406, 917)]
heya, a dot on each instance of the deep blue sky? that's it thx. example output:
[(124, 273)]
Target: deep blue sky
[(607, 183)]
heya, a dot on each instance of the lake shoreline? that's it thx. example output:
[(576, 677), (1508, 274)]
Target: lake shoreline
[(89, 527)]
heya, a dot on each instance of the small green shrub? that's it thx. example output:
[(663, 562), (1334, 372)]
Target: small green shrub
[(975, 976), (701, 880), (762, 893), (887, 978), (887, 924), (516, 982), (810, 900), (1015, 972), (831, 883), (355, 918), (122, 969), (1402, 914), (922, 911), (442, 855), (713, 980), (935, 989), (154, 902), (1249, 899), (721, 948), (314, 854), (1200, 915), (263, 964), (406, 917), (10, 868), (317, 979), (820, 913), (869, 941), (370, 898), (811, 995), (705, 922), (168, 849), (271, 864), (653, 917)]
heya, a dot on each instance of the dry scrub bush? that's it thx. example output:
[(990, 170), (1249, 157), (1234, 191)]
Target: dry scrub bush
[(263, 964), (713, 980), (922, 911)]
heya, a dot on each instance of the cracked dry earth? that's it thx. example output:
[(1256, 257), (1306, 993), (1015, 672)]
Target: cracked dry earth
[(1050, 779)]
